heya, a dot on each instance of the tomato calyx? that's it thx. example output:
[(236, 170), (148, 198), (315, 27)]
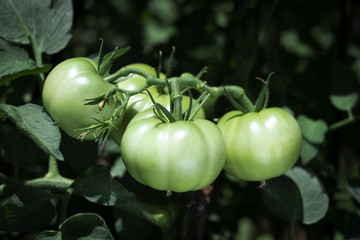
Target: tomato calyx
[(101, 129), (105, 62), (247, 106), (167, 116), (263, 98), (98, 131)]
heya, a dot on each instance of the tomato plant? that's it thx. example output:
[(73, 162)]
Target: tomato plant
[(56, 187), (179, 156), (140, 102), (65, 90), (260, 145)]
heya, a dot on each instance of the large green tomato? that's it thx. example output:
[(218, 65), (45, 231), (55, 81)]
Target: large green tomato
[(65, 89), (180, 156), (142, 101), (260, 145)]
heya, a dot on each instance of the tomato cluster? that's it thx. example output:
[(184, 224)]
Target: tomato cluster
[(178, 156), (141, 102)]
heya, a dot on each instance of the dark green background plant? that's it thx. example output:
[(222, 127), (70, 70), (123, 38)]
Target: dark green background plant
[(313, 48)]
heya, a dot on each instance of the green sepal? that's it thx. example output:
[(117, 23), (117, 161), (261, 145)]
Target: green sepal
[(186, 115), (234, 102), (195, 108), (202, 71), (103, 132), (161, 112), (170, 63), (96, 100), (100, 54), (105, 63), (263, 98)]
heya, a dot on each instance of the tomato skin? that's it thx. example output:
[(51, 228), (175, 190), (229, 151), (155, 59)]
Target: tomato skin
[(180, 156), (260, 145), (141, 102), (65, 89)]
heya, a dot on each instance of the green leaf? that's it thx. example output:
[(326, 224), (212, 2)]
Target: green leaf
[(282, 197), (20, 150), (98, 186), (15, 62), (45, 23), (296, 196), (345, 102), (27, 209), (49, 235), (37, 125), (354, 189), (118, 169), (315, 202), (313, 130), (263, 98), (85, 226), (308, 152)]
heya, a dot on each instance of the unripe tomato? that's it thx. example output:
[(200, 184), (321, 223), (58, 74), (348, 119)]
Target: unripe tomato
[(65, 89), (180, 156), (142, 101), (260, 145)]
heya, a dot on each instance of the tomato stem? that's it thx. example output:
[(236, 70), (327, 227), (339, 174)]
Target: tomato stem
[(187, 80), (53, 170), (64, 204), (176, 98), (343, 123)]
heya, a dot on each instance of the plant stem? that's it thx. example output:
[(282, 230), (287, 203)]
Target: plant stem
[(64, 204), (53, 168), (189, 81), (38, 57), (176, 98), (343, 123)]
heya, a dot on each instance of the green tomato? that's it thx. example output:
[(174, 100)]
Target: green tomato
[(65, 89), (180, 156), (142, 101), (260, 145)]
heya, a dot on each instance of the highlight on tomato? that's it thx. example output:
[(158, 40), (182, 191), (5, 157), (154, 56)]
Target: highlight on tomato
[(260, 145)]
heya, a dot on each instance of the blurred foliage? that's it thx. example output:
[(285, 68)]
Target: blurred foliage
[(313, 48)]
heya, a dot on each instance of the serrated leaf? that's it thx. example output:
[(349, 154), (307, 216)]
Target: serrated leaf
[(308, 152), (47, 23), (296, 196), (354, 189), (49, 235), (85, 226), (345, 102), (15, 62), (37, 125), (315, 202), (27, 209), (98, 186), (313, 130)]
